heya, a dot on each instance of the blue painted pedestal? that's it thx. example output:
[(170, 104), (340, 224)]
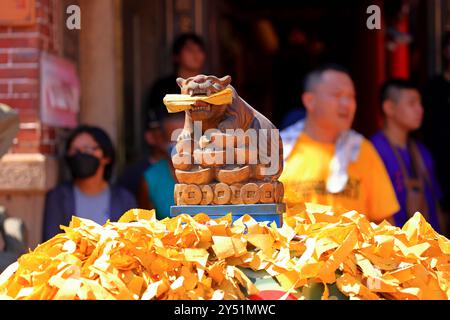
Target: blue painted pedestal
[(260, 212)]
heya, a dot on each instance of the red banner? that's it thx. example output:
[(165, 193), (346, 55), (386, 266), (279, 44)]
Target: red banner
[(60, 92)]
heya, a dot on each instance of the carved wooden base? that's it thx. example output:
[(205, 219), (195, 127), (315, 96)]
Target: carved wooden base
[(206, 176), (222, 193)]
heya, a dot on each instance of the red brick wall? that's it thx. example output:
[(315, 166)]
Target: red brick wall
[(20, 49)]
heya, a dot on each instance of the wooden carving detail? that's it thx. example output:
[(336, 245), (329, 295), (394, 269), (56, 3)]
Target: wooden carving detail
[(224, 166), (222, 193)]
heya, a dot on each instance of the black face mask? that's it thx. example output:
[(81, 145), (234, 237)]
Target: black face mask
[(82, 165)]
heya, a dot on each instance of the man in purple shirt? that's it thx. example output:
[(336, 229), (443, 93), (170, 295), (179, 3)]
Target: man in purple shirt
[(407, 161)]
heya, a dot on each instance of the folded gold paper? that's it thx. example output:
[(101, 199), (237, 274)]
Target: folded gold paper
[(182, 102)]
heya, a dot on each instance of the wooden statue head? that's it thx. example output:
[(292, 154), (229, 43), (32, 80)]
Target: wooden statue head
[(202, 85)]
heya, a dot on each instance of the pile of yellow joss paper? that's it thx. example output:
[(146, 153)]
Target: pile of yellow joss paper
[(140, 257)]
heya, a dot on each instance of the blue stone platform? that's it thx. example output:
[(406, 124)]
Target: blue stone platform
[(271, 212)]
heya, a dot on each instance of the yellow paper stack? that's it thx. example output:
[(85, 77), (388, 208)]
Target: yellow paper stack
[(139, 257), (366, 260)]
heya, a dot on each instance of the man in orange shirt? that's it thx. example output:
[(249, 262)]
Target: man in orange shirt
[(328, 163)]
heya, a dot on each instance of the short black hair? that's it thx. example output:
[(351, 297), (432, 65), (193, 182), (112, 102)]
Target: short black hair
[(104, 142), (183, 39), (153, 120), (315, 76), (391, 88), (156, 118)]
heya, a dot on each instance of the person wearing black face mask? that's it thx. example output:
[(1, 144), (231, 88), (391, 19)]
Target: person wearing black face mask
[(83, 165), (90, 158)]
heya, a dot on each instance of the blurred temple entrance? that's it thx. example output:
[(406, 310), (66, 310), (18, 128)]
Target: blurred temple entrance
[(267, 47)]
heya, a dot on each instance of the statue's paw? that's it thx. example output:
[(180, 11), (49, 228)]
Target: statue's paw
[(184, 135), (204, 141), (226, 125)]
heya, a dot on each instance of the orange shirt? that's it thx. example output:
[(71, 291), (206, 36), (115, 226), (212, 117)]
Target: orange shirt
[(369, 190)]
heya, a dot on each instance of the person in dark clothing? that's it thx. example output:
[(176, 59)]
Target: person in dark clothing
[(408, 162), (90, 156), (132, 175), (156, 137), (436, 130), (158, 180), (188, 53), (152, 179)]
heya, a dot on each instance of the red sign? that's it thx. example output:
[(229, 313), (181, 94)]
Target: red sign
[(17, 12), (60, 92)]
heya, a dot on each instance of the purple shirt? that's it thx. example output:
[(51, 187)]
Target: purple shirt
[(432, 193)]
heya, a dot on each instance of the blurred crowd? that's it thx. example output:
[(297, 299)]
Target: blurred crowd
[(388, 176)]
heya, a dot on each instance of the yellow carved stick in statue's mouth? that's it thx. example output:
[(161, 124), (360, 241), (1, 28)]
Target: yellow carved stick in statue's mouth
[(182, 102)]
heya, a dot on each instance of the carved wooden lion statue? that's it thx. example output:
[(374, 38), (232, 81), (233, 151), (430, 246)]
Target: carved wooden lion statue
[(212, 178), (237, 115)]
